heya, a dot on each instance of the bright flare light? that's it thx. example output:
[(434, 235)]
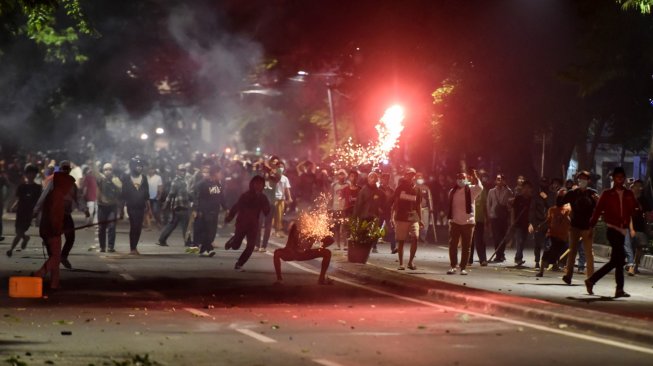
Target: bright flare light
[(315, 224), (144, 136), (389, 129), (159, 131)]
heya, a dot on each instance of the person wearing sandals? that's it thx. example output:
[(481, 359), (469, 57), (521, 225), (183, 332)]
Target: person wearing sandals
[(300, 249), (407, 217), (461, 218)]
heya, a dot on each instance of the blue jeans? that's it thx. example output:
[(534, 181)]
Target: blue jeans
[(179, 217), (628, 248), (104, 214)]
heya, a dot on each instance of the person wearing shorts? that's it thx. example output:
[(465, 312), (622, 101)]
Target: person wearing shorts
[(407, 216)]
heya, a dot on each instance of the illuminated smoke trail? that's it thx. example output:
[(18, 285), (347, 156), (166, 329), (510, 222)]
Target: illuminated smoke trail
[(388, 129)]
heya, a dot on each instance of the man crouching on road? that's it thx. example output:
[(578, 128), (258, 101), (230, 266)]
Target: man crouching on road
[(461, 218), (299, 248)]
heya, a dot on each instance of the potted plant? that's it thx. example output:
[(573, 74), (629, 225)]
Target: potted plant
[(362, 236)]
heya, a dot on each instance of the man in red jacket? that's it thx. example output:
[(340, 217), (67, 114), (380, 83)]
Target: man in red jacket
[(617, 206)]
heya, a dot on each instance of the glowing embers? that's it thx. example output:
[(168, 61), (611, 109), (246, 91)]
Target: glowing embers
[(315, 223), (388, 129)]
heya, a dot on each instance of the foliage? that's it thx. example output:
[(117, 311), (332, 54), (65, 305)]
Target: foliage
[(55, 25), (15, 361), (440, 97), (643, 6), (364, 232)]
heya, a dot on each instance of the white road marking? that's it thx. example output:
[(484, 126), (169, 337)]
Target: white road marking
[(127, 276), (257, 336), (197, 312), (520, 323), (113, 266), (323, 362)]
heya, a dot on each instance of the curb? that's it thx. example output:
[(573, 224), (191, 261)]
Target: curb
[(491, 303), (605, 251)]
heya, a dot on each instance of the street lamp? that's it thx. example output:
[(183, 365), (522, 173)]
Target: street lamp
[(159, 131), (144, 136)]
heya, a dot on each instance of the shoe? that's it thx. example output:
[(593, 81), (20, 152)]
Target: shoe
[(621, 293), (66, 263), (134, 252), (111, 250), (401, 268), (580, 270), (539, 274), (412, 267), (589, 286), (537, 265), (463, 272), (239, 268), (374, 250), (211, 253), (263, 250), (484, 264), (102, 250), (451, 271), (162, 244), (2, 238), (394, 251), (566, 279), (9, 253), (520, 262), (631, 271)]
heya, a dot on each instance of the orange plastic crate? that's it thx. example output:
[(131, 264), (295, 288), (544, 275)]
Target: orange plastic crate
[(26, 287)]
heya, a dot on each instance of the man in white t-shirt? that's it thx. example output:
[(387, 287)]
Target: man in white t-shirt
[(156, 189), (461, 219), (281, 195)]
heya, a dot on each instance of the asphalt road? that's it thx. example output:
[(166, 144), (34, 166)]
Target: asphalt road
[(179, 309)]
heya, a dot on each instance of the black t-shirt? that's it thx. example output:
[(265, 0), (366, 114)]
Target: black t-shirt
[(639, 217), (210, 196), (27, 194), (407, 201), (582, 206), (521, 207)]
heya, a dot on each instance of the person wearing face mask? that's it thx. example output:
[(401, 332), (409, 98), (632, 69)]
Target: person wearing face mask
[(338, 205), (481, 221), (461, 219), (582, 201), (537, 218), (617, 206), (521, 220), (136, 194), (369, 204), (406, 215), (177, 201), (427, 206), (109, 190), (282, 197), (498, 199)]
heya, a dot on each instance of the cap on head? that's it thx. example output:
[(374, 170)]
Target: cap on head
[(107, 166), (410, 171), (584, 173), (64, 164)]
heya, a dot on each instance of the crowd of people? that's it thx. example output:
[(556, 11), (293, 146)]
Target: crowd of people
[(265, 196)]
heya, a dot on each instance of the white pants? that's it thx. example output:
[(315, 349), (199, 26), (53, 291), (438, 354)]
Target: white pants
[(92, 210)]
